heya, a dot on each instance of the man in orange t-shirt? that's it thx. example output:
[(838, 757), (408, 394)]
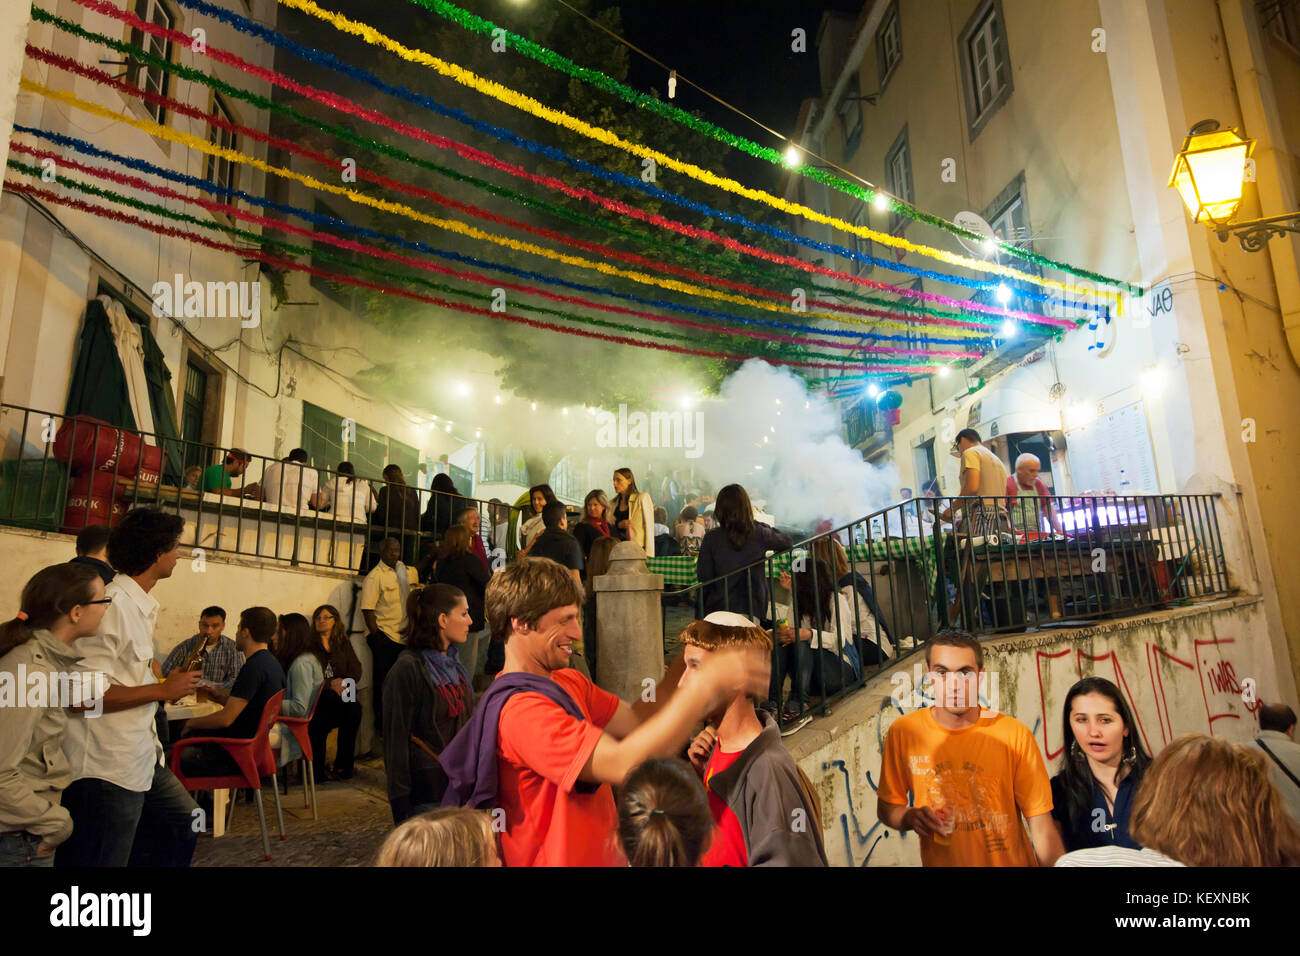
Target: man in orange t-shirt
[(971, 774), (554, 770)]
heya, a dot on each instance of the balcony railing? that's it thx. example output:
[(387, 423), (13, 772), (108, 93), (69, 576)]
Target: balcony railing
[(63, 474), (904, 574)]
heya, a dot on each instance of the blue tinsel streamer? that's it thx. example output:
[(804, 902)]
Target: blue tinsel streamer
[(145, 166), (244, 25)]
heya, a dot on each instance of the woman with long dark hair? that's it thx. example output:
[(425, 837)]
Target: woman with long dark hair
[(427, 699), (58, 605), (302, 654), (459, 567), (634, 512), (530, 521), (333, 711), (869, 629), (1103, 764), (396, 514), (595, 521), (445, 501), (817, 652), (737, 541)]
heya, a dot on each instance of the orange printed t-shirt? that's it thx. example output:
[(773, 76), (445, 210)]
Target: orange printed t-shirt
[(990, 773), (540, 752)]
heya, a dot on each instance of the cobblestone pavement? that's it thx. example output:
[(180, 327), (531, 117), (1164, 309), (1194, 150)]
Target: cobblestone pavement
[(353, 820)]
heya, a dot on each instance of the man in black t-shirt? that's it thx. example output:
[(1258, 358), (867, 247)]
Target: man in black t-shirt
[(556, 543), (258, 681)]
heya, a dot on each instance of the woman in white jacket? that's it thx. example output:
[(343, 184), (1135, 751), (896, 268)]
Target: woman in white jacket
[(818, 653), (634, 512)]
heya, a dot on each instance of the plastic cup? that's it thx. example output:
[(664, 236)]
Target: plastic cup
[(947, 818)]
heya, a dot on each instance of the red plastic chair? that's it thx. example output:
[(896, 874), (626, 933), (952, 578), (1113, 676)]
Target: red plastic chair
[(298, 727), (254, 758)]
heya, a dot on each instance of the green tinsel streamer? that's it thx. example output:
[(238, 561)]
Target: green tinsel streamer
[(561, 212), (555, 61), (328, 256)]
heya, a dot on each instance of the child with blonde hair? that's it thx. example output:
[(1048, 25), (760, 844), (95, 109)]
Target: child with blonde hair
[(449, 836)]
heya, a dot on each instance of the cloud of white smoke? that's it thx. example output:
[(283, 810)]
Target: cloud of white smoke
[(768, 433)]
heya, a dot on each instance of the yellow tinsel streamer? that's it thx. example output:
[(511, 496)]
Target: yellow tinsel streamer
[(529, 105), (451, 225)]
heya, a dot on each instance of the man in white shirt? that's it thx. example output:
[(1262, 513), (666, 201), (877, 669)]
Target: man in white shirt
[(1277, 739), (290, 481), (383, 605), (126, 808)]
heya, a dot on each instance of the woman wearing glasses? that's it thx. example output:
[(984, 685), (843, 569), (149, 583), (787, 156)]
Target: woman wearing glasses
[(58, 605)]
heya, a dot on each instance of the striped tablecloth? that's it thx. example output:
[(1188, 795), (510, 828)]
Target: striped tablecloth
[(680, 569)]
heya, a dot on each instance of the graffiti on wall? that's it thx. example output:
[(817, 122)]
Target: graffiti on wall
[(1212, 675)]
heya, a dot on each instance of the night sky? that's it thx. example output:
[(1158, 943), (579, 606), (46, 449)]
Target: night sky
[(739, 50)]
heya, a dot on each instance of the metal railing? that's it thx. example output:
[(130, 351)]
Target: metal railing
[(66, 473), (877, 588)]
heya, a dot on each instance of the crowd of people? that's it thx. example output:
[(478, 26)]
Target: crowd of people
[(500, 748)]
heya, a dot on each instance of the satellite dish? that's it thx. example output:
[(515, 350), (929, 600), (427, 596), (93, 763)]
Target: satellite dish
[(974, 222)]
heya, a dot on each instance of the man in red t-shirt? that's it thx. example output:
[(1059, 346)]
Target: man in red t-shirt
[(762, 808), (554, 770)]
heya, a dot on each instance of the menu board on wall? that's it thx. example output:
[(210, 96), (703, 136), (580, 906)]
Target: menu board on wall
[(1113, 448)]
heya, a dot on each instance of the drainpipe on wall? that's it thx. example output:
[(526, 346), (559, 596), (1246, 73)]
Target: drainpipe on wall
[(852, 61), (1263, 121)]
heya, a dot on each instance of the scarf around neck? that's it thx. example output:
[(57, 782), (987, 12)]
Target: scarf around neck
[(451, 679)]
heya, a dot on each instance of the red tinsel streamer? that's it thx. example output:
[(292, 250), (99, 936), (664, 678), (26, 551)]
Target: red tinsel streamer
[(250, 253), (177, 106), (347, 106), (314, 236)]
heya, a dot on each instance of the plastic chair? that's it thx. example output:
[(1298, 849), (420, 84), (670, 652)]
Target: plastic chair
[(254, 759), (298, 726)]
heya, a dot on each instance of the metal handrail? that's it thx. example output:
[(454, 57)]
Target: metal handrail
[(303, 535), (1119, 555)]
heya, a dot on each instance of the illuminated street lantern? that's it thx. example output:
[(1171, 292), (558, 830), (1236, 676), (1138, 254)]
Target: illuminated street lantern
[(1208, 174), (1209, 170)]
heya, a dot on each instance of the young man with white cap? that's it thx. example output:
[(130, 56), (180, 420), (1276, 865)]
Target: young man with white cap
[(764, 809)]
